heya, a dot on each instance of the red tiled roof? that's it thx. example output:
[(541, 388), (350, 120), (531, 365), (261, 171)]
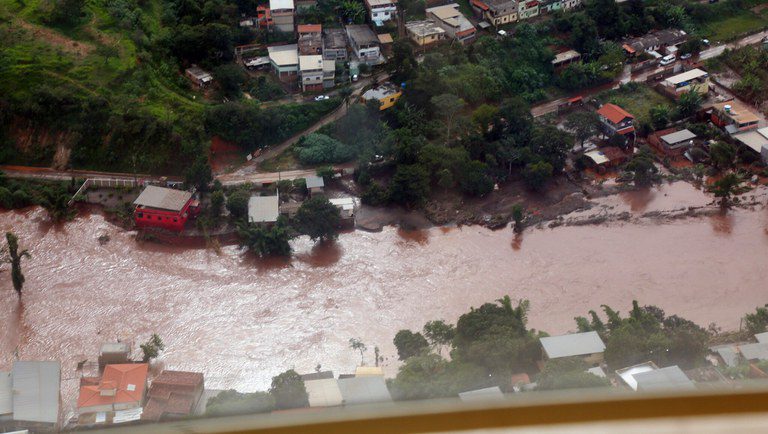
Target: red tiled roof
[(128, 380), (480, 5), (309, 28), (614, 113), (628, 49), (178, 378), (173, 392)]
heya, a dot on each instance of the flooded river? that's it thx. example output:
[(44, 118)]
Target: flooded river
[(241, 321)]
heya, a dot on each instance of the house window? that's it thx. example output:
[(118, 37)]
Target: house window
[(175, 220), (140, 215)]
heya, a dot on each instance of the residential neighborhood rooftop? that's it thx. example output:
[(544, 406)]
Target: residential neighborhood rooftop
[(163, 198), (314, 181), (309, 28), (758, 351), (334, 38), (382, 91), (677, 137), (284, 55), (263, 209), (280, 4), (614, 113), (671, 377), (627, 374), (565, 56), (311, 62), (737, 111), (380, 2), (362, 34), (36, 391), (686, 76), (424, 28), (199, 74), (575, 344), (762, 337), (364, 390), (324, 392), (655, 39), (126, 380), (451, 15)]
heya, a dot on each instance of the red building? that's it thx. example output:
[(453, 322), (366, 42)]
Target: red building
[(164, 208), (173, 395)]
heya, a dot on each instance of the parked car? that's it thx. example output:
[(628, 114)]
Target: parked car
[(666, 60), (685, 56), (705, 42), (321, 97)]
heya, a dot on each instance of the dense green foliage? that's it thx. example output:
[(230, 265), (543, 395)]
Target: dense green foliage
[(568, 373), (273, 240), (231, 402), (644, 171), (318, 218), (288, 391), (757, 322), (318, 148), (151, 349), (409, 344)]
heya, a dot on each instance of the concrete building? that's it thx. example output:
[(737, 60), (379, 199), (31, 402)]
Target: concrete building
[(311, 72), (672, 142), (282, 12), (310, 43), (496, 12), (655, 41), (627, 375), (365, 44), (36, 393), (347, 207), (173, 395), (566, 58), (324, 393), (558, 5), (364, 390), (586, 346), (329, 73), (425, 32), (616, 120), (456, 25), (164, 208), (754, 352), (198, 76), (386, 93), (113, 353), (527, 9), (334, 44), (381, 11), (263, 209), (315, 184), (285, 61), (695, 80), (734, 117)]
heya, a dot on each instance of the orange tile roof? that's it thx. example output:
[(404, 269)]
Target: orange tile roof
[(309, 28), (128, 380), (614, 113)]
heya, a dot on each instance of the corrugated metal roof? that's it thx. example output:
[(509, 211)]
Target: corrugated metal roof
[(487, 394), (36, 391), (758, 351), (163, 198), (677, 137), (323, 393), (280, 4), (762, 337), (364, 390), (314, 181), (6, 393), (686, 76), (576, 344), (671, 377), (263, 209)]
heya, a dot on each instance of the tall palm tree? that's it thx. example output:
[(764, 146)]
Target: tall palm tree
[(13, 257)]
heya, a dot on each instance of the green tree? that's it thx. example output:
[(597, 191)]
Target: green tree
[(537, 174), (659, 116), (568, 373), (483, 116), (410, 344), (13, 256), (430, 376), (56, 202), (689, 103), (722, 155), (237, 203), (584, 125), (151, 349), (318, 218), (439, 333), (289, 391), (409, 185), (230, 79), (517, 216), (725, 188), (357, 345), (448, 106), (643, 169), (474, 179), (217, 203), (757, 322), (199, 174), (231, 402), (266, 240)]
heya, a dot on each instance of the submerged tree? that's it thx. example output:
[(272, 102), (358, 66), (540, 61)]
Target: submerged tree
[(289, 391), (358, 345), (318, 218), (152, 348), (725, 188), (267, 241), (13, 256)]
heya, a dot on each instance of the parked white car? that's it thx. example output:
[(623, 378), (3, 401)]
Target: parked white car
[(321, 97)]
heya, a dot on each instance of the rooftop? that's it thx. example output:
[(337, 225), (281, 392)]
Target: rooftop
[(127, 381), (263, 209), (324, 393), (737, 111), (614, 113), (728, 353), (597, 156), (380, 2), (311, 63), (382, 91), (671, 377), (173, 392), (762, 337), (280, 4), (758, 351), (487, 394), (36, 391), (502, 6), (309, 28), (199, 73), (163, 198), (385, 38), (322, 375), (565, 56), (686, 76), (424, 28), (576, 344), (284, 55), (362, 34), (310, 43), (334, 38), (653, 39), (364, 390), (314, 181), (450, 15), (677, 137), (627, 374)]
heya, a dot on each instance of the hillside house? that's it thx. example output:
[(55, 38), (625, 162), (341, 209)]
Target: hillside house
[(282, 12), (655, 41), (164, 208), (365, 44), (198, 76), (285, 61), (527, 9), (121, 387), (173, 395), (381, 11), (387, 94), (310, 40), (733, 116), (695, 80), (425, 32), (315, 184), (586, 346), (559, 5), (311, 72), (334, 44), (672, 142), (456, 25), (496, 12), (329, 74), (616, 120)]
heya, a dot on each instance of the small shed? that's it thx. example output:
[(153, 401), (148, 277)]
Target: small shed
[(263, 209), (324, 393), (346, 206), (487, 394), (587, 346), (315, 184), (364, 390), (114, 353), (198, 76)]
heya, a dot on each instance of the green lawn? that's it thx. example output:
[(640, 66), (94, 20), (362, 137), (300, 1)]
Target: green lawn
[(637, 100), (733, 26)]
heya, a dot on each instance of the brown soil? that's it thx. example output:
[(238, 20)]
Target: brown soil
[(52, 37)]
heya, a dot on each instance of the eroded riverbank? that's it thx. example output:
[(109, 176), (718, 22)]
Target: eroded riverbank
[(241, 320)]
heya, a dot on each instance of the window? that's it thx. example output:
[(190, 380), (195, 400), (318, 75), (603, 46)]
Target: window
[(140, 215)]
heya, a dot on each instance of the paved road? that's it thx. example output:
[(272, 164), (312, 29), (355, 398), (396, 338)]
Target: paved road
[(743, 42), (48, 174)]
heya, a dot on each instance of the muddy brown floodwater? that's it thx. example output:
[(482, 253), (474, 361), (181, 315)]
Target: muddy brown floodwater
[(241, 321)]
